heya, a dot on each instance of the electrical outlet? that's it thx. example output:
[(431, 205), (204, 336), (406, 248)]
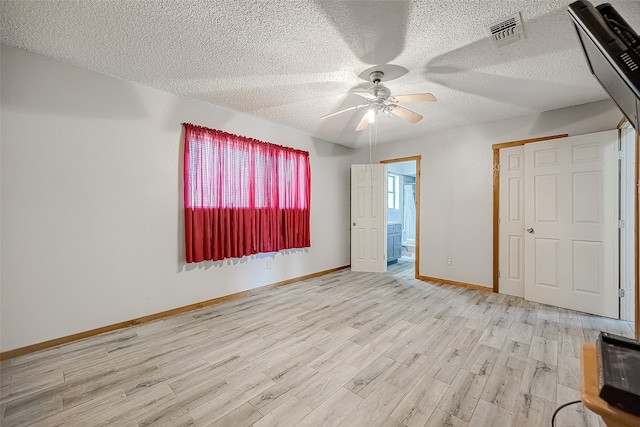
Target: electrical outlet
[(449, 261), (269, 264)]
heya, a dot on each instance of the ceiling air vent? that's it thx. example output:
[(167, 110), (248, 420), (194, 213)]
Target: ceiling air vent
[(506, 31)]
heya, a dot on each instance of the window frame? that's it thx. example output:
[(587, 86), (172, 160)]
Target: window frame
[(394, 192)]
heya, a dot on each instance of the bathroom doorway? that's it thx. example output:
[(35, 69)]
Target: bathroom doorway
[(403, 203)]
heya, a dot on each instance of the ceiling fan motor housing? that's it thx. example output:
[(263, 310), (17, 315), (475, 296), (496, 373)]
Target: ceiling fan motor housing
[(381, 92), (378, 90)]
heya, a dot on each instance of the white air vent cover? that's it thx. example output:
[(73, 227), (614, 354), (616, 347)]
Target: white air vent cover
[(506, 31)]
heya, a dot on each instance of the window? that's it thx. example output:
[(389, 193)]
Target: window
[(393, 191), (243, 196)]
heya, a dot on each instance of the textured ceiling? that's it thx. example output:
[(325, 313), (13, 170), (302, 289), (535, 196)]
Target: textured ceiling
[(292, 62)]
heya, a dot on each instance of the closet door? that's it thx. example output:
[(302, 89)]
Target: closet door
[(511, 226), (571, 226)]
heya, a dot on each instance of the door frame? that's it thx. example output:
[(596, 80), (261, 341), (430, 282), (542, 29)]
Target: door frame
[(636, 226), (496, 205), (417, 160), (628, 237)]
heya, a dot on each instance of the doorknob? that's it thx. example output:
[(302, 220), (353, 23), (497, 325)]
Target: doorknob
[(530, 230)]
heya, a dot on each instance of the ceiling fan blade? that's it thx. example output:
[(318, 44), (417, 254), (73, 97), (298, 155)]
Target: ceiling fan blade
[(343, 111), (403, 113), (364, 123), (417, 97), (363, 93)]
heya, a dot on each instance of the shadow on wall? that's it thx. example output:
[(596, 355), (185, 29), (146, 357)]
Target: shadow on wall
[(585, 115), (324, 149), (198, 112), (61, 89), (581, 119), (575, 120)]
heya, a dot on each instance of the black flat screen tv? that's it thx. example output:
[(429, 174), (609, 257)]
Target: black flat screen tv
[(612, 50)]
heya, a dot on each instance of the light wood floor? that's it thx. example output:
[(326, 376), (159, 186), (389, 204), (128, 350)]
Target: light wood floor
[(347, 349)]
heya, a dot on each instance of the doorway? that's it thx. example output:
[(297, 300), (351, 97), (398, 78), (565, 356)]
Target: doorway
[(403, 215)]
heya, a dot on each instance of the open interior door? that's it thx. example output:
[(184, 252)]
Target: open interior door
[(571, 223), (368, 218)]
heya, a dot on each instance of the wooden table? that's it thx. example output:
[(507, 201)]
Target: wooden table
[(613, 417)]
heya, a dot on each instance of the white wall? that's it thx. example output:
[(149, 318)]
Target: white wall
[(456, 199), (92, 224)]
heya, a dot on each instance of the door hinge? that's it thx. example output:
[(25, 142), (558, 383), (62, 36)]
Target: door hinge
[(620, 155), (498, 274), (621, 223), (620, 293)]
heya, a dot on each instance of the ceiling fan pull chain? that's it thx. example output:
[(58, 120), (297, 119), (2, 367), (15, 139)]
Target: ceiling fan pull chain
[(370, 148)]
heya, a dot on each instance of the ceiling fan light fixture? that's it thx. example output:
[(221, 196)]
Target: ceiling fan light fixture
[(371, 115)]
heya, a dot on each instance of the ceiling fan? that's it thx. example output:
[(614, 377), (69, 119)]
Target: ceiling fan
[(378, 99)]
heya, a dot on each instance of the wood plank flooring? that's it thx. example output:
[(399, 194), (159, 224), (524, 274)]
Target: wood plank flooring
[(344, 349)]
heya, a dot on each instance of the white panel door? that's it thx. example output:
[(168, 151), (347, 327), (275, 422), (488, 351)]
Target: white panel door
[(368, 218), (571, 239), (511, 227)]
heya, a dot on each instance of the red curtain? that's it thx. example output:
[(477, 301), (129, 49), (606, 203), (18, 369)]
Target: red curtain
[(243, 196)]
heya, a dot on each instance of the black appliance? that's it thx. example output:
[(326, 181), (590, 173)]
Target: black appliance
[(619, 372), (612, 49)]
